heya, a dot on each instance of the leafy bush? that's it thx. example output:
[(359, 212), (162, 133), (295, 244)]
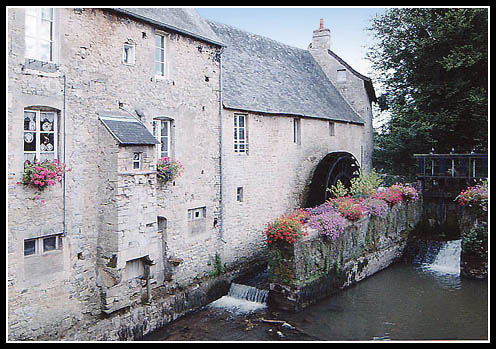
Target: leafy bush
[(365, 184), (338, 190)]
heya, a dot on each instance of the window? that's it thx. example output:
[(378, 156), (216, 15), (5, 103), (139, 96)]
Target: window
[(137, 161), (240, 136), (296, 131), (42, 245), (40, 135), (341, 75), (239, 194), (197, 213), (331, 128), (159, 55), (128, 56), (162, 131), (135, 268), (39, 33)]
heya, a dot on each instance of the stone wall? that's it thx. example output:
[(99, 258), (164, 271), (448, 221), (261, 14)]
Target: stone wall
[(99, 209), (275, 173), (315, 267)]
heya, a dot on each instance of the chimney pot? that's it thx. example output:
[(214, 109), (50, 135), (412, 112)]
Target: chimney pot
[(321, 23)]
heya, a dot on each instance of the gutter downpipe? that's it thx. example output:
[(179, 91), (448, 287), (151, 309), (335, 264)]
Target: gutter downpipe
[(221, 179), (64, 155)]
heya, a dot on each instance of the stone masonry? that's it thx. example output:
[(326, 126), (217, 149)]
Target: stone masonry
[(123, 235)]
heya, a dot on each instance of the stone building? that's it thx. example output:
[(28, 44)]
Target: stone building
[(110, 91)]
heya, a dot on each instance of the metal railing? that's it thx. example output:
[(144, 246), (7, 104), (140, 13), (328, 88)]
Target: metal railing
[(473, 166)]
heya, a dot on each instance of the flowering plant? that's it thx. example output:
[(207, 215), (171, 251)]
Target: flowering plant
[(43, 174), (348, 207), (375, 206), (391, 195), (408, 193), (168, 170), (474, 197), (287, 228), (327, 220)]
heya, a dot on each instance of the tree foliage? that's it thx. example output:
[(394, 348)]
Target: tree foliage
[(433, 66)]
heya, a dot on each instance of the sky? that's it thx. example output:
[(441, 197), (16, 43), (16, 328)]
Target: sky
[(294, 26)]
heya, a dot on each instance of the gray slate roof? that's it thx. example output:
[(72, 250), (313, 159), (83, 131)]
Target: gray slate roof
[(127, 130), (182, 20), (262, 75)]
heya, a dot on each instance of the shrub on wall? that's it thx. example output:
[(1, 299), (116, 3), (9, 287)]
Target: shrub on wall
[(287, 228), (41, 175), (168, 169), (475, 198), (326, 219), (349, 208)]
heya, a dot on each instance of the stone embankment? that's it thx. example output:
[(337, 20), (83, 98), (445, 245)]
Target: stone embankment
[(316, 267)]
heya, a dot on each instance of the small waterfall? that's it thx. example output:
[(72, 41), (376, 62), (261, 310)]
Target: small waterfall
[(447, 260), (242, 299)]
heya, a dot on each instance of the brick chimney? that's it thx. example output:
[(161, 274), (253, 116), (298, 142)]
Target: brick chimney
[(321, 39)]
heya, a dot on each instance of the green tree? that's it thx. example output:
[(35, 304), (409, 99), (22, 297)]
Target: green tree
[(433, 66)]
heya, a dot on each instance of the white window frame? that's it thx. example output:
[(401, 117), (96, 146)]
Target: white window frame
[(36, 15), (38, 132), (240, 143), (297, 131), (197, 213), (137, 160), (158, 125), (161, 61), (131, 54), (332, 128), (39, 245)]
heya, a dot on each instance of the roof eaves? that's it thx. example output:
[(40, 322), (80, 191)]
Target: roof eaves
[(168, 26)]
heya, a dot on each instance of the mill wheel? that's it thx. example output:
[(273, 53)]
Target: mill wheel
[(332, 168)]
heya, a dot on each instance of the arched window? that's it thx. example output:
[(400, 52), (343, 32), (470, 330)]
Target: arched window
[(40, 134)]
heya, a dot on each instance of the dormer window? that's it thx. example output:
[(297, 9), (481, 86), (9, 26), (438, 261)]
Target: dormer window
[(341, 75)]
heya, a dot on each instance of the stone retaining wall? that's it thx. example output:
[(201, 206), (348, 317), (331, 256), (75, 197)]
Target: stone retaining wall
[(316, 267)]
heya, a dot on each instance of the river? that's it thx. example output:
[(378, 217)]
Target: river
[(405, 302)]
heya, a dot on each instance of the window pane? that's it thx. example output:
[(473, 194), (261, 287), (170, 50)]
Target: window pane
[(159, 68), (164, 144), (159, 41), (241, 133), (29, 141), (29, 157), (46, 120), (241, 121), (45, 31), (30, 28), (29, 247), (46, 142), (47, 14), (49, 244), (165, 128), (47, 156), (31, 48), (45, 51), (29, 121)]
